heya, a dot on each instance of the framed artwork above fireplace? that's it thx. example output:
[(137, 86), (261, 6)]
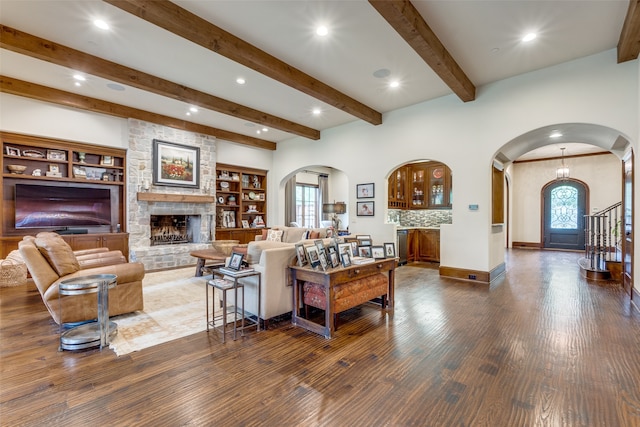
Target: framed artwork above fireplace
[(176, 164)]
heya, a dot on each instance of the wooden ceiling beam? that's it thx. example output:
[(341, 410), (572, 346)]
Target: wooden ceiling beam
[(46, 50), (189, 26), (629, 42), (407, 21), (68, 99)]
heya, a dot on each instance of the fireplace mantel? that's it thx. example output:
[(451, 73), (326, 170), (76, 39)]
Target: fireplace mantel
[(176, 198)]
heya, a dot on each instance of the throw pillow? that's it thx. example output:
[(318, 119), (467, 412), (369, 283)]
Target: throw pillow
[(264, 233), (274, 235), (58, 253), (314, 234)]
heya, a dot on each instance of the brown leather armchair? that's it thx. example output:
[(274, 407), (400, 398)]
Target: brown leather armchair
[(51, 260)]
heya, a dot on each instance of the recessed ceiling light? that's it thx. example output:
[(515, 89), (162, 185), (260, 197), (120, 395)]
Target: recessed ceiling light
[(240, 81), (188, 113), (258, 131), (101, 24), (322, 31), (394, 84), (115, 86), (316, 111), (77, 84), (529, 37), (555, 134), (79, 77), (193, 109), (381, 73), (265, 130)]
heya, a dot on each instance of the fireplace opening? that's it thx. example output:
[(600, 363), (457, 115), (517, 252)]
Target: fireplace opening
[(174, 229)]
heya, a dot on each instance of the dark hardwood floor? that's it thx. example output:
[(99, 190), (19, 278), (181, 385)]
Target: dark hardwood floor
[(540, 347)]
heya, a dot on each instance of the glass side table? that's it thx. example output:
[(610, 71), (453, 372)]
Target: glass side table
[(92, 334)]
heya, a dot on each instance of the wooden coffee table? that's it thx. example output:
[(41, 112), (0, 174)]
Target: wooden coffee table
[(204, 255)]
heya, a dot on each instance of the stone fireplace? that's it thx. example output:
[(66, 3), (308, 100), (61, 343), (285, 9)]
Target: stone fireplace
[(176, 211)]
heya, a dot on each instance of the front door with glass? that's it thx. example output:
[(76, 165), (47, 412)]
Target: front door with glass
[(564, 210)]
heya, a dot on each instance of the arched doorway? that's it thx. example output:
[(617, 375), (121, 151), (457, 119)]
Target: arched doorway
[(564, 207)]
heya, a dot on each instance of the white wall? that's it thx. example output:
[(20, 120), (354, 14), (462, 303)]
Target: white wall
[(465, 136), (601, 174)]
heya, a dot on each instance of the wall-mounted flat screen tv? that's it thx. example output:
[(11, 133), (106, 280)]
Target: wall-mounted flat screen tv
[(42, 206)]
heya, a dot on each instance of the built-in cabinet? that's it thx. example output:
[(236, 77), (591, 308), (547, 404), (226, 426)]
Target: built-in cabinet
[(423, 245), (65, 165), (424, 185), (241, 202)]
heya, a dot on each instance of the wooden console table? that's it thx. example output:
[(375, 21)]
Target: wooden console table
[(330, 279)]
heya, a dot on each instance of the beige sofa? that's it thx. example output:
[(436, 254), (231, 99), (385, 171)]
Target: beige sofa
[(272, 259), (51, 260)]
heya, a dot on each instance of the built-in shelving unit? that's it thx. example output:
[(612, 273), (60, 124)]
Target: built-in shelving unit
[(241, 202), (62, 164)]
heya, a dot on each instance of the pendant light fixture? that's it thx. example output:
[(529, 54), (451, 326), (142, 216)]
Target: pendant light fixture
[(563, 171)]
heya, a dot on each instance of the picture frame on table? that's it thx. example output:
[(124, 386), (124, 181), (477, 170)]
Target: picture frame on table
[(333, 259), (365, 191), (176, 165), (12, 151), (346, 259), (235, 261), (312, 255), (365, 242), (320, 245), (54, 168), (354, 247), (324, 262), (301, 255), (364, 251), (344, 248), (79, 172), (377, 252), (365, 208), (390, 250), (245, 223)]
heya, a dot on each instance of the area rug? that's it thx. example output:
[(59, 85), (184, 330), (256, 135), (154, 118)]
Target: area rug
[(174, 307)]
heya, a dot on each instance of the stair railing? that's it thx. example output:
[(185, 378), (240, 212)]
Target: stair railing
[(602, 232)]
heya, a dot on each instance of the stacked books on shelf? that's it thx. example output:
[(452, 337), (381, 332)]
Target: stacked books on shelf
[(231, 272), (361, 260)]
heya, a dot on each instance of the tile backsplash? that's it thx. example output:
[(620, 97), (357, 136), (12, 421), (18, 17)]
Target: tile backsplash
[(419, 217)]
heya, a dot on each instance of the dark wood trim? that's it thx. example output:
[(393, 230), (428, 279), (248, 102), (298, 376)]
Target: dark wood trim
[(189, 26), (599, 153), (464, 274), (629, 42), (68, 99), (526, 245), (46, 50), (411, 26)]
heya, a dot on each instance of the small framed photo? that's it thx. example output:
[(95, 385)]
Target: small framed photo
[(354, 247), (106, 161), (236, 261), (312, 255), (79, 172), (346, 259), (364, 242), (245, 223), (365, 191), (54, 168), (390, 250), (377, 252), (320, 245), (344, 248), (56, 155), (12, 151), (324, 263), (364, 251), (365, 208), (300, 253), (333, 258)]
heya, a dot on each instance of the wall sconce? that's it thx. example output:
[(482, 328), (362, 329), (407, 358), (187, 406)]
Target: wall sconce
[(336, 208)]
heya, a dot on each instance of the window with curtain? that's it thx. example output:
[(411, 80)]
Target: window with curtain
[(307, 205)]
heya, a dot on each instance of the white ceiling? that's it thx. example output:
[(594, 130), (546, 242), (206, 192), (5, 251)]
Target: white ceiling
[(482, 36)]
